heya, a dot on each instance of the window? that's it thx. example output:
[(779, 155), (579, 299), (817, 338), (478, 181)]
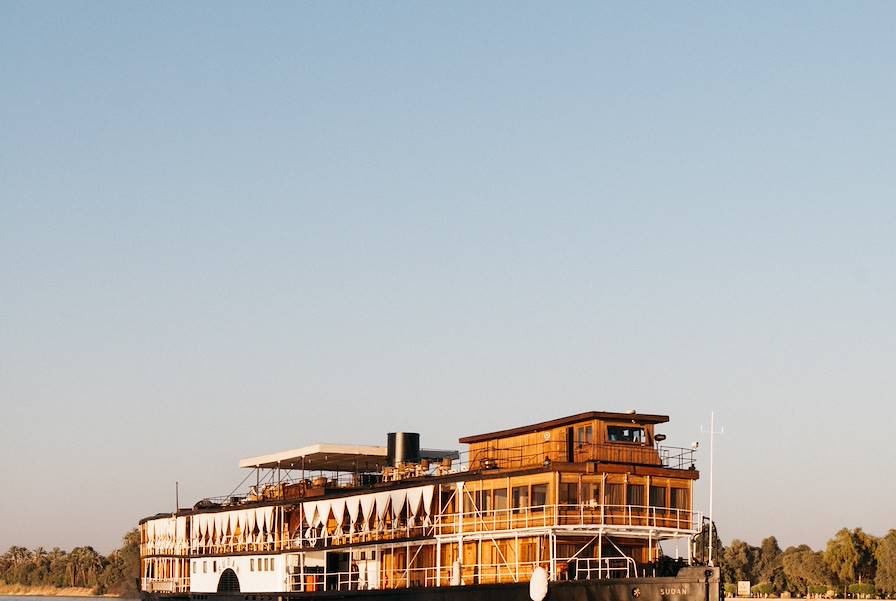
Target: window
[(569, 493), (194, 566), (486, 505), (614, 494), (469, 501), (625, 434), (635, 494), (679, 498), (539, 496), (658, 496), (591, 493), (205, 567), (251, 564), (520, 497), (214, 567), (447, 501), (500, 499), (584, 436)]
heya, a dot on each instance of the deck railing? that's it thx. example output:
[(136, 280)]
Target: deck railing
[(522, 456), (165, 585), (583, 516)]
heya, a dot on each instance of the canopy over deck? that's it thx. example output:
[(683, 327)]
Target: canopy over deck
[(335, 458)]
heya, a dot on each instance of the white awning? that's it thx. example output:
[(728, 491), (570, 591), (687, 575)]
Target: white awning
[(335, 458)]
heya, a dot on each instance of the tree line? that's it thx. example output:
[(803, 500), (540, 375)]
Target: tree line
[(852, 563), (83, 567)]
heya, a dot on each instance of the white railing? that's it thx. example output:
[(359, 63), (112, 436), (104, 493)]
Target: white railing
[(588, 568), (581, 516), (165, 585), (484, 573)]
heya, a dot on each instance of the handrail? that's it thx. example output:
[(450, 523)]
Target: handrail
[(604, 567), (567, 516)]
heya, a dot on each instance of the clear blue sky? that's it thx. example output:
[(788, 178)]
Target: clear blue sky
[(229, 229)]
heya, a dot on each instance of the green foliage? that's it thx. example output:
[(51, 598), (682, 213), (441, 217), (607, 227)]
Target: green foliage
[(737, 561), (850, 556), (862, 589), (730, 589), (885, 555), (805, 568), (82, 567)]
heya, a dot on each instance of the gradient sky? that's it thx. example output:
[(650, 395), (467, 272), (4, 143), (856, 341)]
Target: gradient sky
[(228, 229)]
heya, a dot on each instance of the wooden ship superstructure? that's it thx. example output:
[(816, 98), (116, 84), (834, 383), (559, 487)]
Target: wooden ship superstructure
[(586, 498)]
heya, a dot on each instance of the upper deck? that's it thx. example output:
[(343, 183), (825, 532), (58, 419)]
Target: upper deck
[(591, 437)]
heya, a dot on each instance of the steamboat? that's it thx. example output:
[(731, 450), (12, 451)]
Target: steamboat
[(573, 509)]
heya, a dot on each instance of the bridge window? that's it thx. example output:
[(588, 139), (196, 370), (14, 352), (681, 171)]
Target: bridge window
[(658, 496), (251, 564), (625, 434), (635, 494), (584, 436), (614, 494), (679, 498)]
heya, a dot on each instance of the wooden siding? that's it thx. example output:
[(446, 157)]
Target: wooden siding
[(559, 444)]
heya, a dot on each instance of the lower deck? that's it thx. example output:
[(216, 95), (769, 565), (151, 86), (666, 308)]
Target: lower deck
[(496, 558), (694, 583)]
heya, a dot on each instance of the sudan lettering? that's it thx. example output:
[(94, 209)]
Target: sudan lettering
[(673, 590)]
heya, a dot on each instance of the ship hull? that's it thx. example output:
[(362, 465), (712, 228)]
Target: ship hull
[(691, 584)]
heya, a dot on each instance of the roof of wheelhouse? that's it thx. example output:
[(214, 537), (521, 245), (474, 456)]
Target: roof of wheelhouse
[(630, 417)]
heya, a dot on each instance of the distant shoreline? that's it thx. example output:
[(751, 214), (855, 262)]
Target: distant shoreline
[(21, 590)]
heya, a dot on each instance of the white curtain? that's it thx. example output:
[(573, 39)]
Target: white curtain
[(338, 514), (398, 498), (241, 522), (323, 511), (269, 523), (366, 502), (219, 524), (310, 510), (414, 497), (382, 500), (351, 504), (181, 531), (428, 492), (251, 516)]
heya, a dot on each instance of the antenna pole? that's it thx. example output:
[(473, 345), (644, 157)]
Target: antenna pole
[(712, 439), (176, 496), (712, 436)]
